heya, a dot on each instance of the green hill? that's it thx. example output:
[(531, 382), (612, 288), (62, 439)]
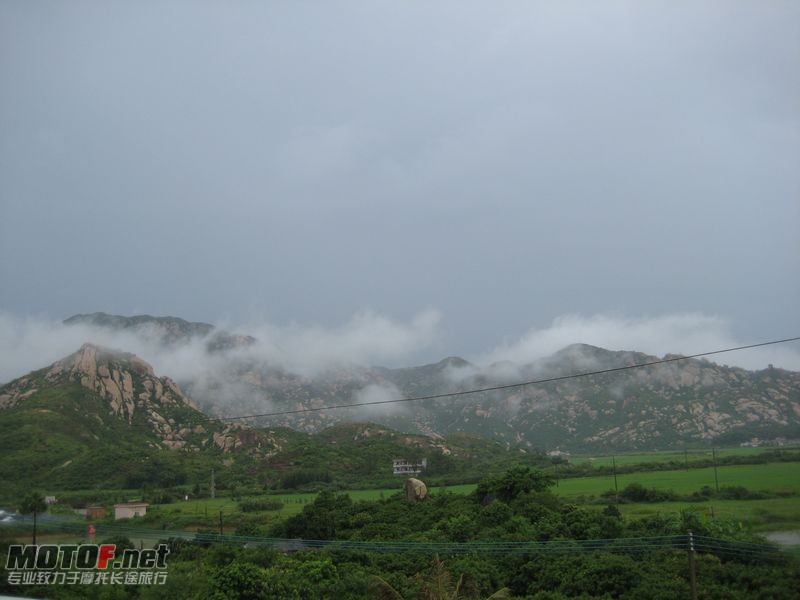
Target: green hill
[(361, 454), (101, 418)]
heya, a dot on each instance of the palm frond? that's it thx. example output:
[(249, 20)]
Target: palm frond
[(383, 590), (501, 594)]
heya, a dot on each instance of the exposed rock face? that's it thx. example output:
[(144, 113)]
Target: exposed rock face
[(111, 375), (230, 438), (133, 392), (415, 490)]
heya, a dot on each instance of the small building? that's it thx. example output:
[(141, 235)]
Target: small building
[(50, 500), (401, 466), (128, 510), (558, 454), (94, 513)]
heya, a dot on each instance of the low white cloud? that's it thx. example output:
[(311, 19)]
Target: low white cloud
[(681, 333), (379, 393), (29, 343), (368, 338)]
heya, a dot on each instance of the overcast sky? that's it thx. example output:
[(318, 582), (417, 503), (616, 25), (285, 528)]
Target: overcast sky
[(487, 169)]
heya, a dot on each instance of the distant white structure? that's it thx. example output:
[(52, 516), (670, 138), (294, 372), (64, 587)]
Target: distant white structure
[(128, 510), (558, 453), (401, 466), (50, 500)]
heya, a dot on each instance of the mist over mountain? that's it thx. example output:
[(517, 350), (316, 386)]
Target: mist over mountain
[(690, 402), (103, 417)]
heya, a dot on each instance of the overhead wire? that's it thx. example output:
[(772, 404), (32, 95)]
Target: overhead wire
[(703, 544)]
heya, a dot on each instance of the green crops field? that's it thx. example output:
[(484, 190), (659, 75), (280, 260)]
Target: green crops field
[(775, 477), (776, 514), (759, 515), (677, 456)]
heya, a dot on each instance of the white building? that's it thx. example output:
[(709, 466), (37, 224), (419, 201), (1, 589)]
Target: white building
[(558, 453), (127, 510), (401, 466)]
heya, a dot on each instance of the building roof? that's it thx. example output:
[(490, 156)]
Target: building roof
[(131, 504)]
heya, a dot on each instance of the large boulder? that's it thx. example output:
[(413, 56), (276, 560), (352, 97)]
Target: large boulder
[(415, 490)]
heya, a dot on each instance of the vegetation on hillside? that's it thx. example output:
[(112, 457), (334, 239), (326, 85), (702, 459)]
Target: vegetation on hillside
[(515, 506), (357, 455)]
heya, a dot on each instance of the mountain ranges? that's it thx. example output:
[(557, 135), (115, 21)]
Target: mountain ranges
[(686, 403)]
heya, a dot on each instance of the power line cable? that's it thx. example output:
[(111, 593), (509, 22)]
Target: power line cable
[(502, 387), (633, 544)]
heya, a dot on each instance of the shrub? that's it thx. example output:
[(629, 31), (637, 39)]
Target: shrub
[(302, 476), (258, 505)]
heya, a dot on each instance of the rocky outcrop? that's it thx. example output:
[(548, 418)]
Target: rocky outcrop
[(125, 380), (415, 490), (132, 392)]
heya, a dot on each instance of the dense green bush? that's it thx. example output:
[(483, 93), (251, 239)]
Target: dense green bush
[(300, 477), (636, 492)]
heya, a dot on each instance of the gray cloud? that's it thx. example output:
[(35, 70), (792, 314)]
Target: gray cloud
[(379, 393), (505, 163)]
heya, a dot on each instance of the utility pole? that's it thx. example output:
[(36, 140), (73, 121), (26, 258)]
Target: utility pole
[(220, 522), (213, 490), (614, 469), (716, 478), (692, 568)]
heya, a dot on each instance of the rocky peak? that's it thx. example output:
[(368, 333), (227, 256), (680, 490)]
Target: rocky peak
[(133, 393), (453, 362), (85, 362), (124, 379)]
